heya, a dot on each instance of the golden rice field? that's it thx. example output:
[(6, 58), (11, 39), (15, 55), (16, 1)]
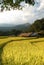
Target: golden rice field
[(21, 51)]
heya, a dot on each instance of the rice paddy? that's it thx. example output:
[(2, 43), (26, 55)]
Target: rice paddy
[(21, 51)]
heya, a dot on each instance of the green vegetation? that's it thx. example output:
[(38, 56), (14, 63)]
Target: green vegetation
[(21, 51), (9, 4), (12, 32), (17, 2), (37, 26)]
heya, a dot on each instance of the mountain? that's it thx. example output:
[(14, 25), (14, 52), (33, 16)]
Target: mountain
[(23, 27), (8, 27), (11, 29), (37, 26)]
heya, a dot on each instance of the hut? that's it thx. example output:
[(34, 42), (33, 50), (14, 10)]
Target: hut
[(25, 34), (34, 34)]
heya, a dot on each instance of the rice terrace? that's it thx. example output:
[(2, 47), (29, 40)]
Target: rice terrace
[(21, 32), (21, 51)]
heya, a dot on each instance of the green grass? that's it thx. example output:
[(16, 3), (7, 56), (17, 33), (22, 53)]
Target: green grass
[(21, 51)]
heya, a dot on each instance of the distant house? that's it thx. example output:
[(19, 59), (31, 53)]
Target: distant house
[(25, 34), (31, 34), (34, 34)]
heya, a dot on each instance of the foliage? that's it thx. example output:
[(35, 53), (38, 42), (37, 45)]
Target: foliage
[(37, 26), (8, 4), (11, 32)]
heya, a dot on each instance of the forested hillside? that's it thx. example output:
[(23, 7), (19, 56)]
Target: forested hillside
[(37, 26)]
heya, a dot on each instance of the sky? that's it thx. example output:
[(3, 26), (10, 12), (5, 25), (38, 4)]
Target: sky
[(28, 14)]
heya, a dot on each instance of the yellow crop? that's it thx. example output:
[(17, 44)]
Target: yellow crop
[(22, 51)]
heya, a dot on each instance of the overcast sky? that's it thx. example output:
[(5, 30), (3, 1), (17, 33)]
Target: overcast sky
[(28, 14)]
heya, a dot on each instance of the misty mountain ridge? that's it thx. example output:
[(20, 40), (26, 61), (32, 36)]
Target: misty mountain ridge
[(37, 26), (8, 27)]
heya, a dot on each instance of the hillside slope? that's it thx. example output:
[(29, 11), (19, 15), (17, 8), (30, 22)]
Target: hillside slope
[(37, 26)]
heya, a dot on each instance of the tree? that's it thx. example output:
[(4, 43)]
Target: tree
[(37, 26), (10, 4)]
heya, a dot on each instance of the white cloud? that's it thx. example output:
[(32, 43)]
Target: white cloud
[(11, 17), (27, 15)]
